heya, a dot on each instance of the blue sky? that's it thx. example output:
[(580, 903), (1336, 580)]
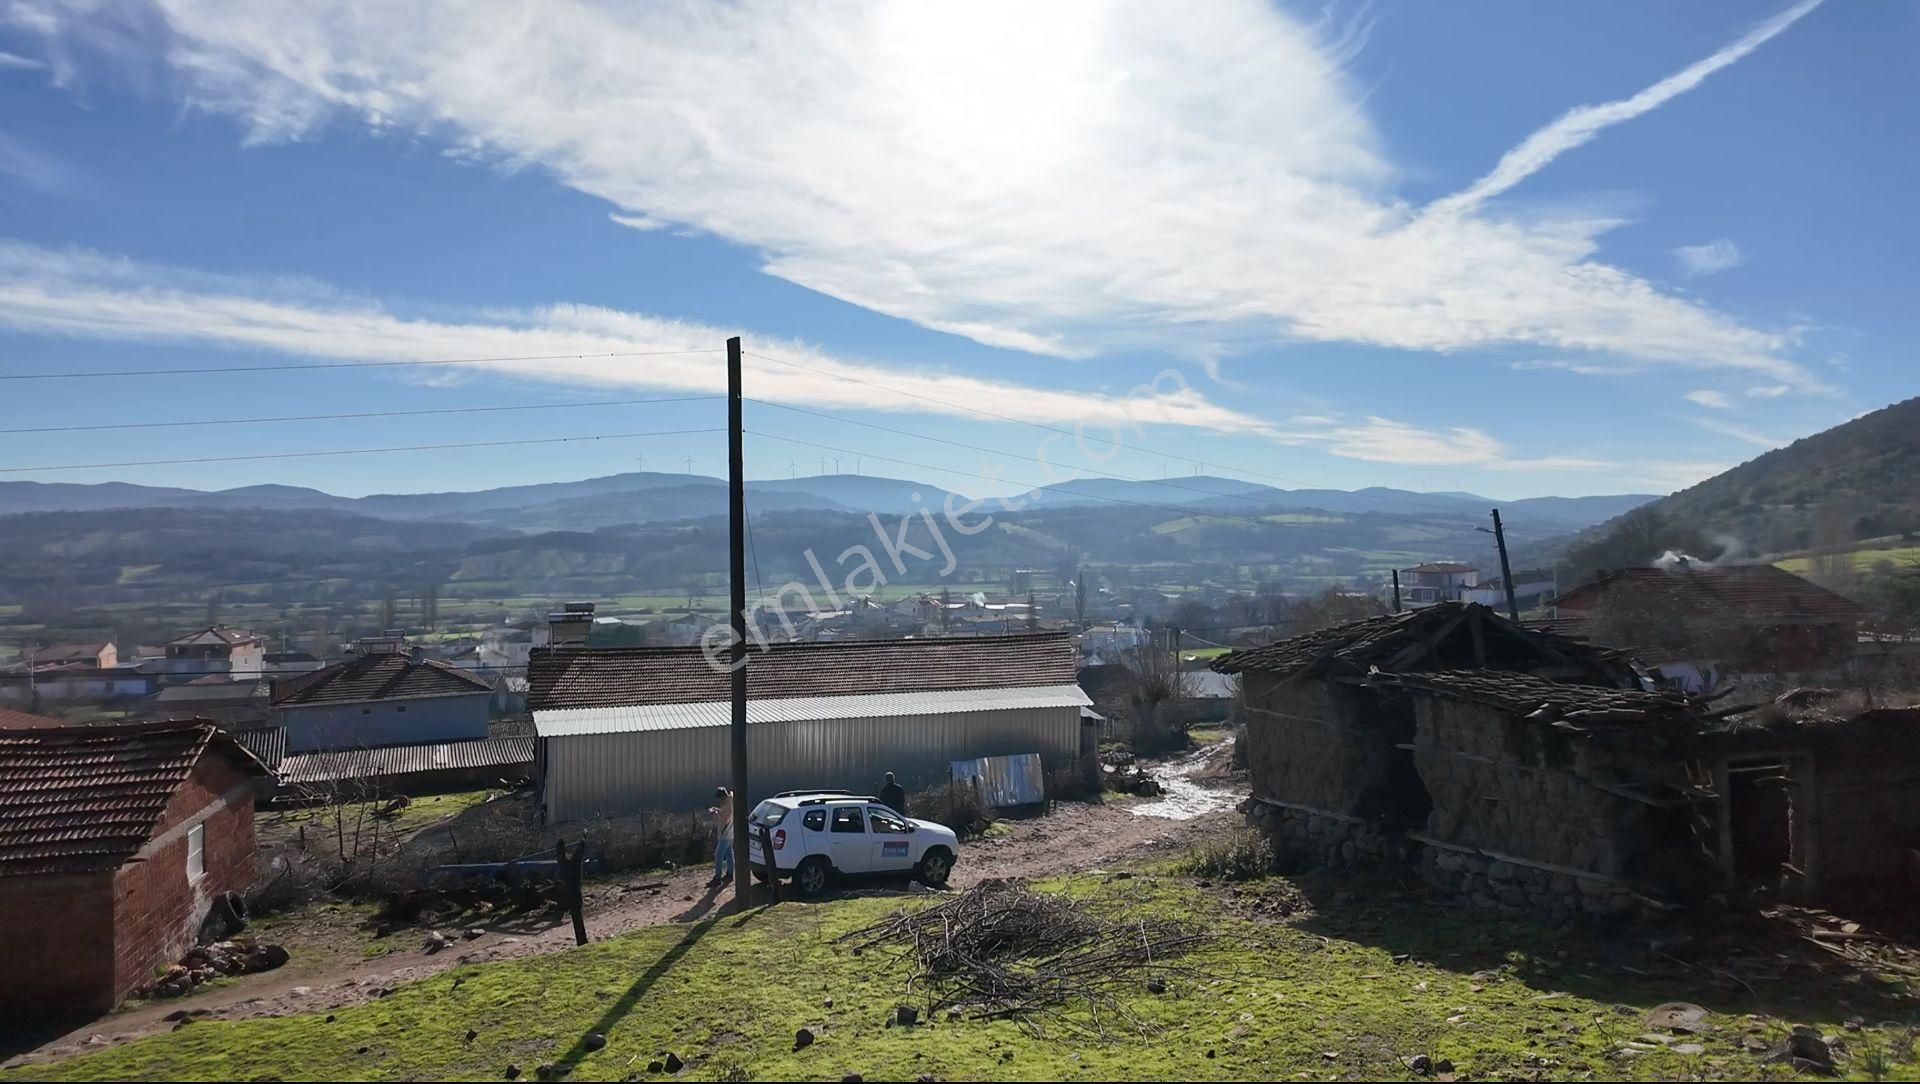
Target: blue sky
[(1512, 248)]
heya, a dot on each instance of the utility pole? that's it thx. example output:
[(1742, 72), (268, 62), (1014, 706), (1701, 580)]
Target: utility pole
[(1396, 590), (737, 574), (1506, 571)]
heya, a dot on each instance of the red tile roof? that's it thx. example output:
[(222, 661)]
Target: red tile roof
[(1755, 592), (85, 799), (377, 676), (20, 720), (613, 677), (216, 634), (1442, 566)]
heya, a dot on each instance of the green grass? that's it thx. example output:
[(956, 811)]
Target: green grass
[(1860, 560), (1341, 995), (421, 812)]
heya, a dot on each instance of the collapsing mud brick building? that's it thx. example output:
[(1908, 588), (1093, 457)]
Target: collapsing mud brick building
[(1526, 772)]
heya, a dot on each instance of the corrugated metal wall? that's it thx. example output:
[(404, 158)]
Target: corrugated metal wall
[(613, 774)]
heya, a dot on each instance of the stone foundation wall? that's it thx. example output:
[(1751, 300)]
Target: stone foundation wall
[(1303, 835), (1513, 890)]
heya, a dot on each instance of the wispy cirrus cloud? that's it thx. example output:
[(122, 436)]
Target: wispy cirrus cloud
[(965, 168), (81, 294), (1738, 432), (36, 167), (16, 62), (1579, 126), (1708, 259), (1716, 400), (1768, 391), (89, 295)]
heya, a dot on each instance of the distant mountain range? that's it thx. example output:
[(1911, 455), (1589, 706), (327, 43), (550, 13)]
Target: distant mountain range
[(656, 497)]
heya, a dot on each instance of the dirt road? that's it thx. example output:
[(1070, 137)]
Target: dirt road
[(1068, 838)]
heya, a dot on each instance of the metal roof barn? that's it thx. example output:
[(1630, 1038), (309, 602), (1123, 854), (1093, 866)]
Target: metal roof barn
[(851, 713)]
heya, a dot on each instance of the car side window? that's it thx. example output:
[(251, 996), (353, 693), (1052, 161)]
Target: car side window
[(884, 821), (847, 818), (815, 820)]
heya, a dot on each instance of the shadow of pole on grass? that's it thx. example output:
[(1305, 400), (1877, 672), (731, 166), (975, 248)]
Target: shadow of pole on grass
[(618, 1011)]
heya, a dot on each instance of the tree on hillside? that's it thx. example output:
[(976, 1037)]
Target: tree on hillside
[(1635, 540), (1079, 597), (1331, 608), (1033, 613)]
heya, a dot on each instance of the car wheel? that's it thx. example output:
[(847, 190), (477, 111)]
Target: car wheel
[(934, 867), (811, 877)]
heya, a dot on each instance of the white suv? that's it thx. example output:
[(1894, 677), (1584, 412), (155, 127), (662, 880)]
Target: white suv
[(816, 834)]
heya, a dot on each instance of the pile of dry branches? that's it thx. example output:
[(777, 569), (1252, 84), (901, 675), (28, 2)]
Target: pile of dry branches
[(1004, 950)]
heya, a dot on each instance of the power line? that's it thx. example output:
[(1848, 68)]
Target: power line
[(1079, 435), (344, 417), (346, 365), (356, 451)]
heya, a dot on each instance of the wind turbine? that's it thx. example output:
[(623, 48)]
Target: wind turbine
[(791, 469), (689, 464), (836, 464)]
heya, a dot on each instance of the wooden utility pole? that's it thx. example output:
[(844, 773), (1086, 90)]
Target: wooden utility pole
[(737, 657), (1506, 570), (1396, 590)]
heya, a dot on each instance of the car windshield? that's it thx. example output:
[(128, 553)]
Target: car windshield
[(768, 813)]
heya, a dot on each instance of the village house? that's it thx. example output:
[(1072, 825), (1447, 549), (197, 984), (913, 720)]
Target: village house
[(216, 649), (1438, 581), (1531, 588), (27, 683), (1523, 772), (115, 843), (1701, 626), (214, 697), (620, 730), (383, 695)]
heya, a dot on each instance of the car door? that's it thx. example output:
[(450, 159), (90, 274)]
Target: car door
[(849, 840), (892, 840)]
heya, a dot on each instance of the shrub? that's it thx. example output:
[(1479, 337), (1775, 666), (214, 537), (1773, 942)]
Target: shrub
[(956, 805), (1072, 785), (1242, 856)]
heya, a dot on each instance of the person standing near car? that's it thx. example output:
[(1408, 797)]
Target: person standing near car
[(722, 813), (893, 795)]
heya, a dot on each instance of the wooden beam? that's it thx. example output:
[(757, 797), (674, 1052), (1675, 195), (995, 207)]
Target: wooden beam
[(1413, 653), (1479, 639)]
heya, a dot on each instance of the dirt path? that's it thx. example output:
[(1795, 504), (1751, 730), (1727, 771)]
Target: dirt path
[(1069, 838)]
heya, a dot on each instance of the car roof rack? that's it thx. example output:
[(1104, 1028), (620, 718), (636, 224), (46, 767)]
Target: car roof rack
[(810, 790), (838, 796)]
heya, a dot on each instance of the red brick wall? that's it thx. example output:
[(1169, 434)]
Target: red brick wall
[(59, 937), (157, 911)]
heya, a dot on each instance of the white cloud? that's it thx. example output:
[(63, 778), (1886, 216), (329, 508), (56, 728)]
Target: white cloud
[(1058, 178), (17, 62), (1737, 432), (1710, 258), (1382, 440), (639, 222), (1716, 399), (1768, 391), (1578, 367), (34, 167), (86, 295), (1580, 125), (1553, 462)]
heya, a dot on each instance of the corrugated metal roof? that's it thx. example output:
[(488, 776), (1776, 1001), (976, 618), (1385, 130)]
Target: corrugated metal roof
[(391, 760), (635, 718), (568, 677)]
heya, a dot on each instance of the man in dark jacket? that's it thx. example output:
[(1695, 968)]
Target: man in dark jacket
[(893, 795)]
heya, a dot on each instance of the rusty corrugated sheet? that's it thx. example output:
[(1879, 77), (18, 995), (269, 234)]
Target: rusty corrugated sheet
[(1005, 782), (385, 762)]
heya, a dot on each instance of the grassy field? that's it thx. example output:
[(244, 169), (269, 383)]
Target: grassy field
[(1903, 557), (1341, 990), (282, 825)]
